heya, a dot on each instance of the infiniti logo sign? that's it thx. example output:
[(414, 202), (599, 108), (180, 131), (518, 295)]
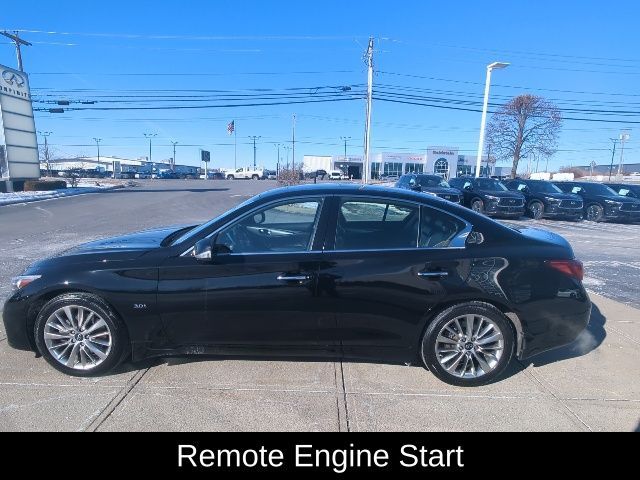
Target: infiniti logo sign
[(13, 79)]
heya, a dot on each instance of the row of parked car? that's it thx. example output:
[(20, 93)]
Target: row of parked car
[(537, 199)]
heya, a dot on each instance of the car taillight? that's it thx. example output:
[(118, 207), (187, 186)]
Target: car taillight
[(572, 268)]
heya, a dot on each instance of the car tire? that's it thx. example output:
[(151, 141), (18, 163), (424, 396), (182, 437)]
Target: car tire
[(230, 177), (94, 353), (535, 210), (255, 177), (471, 356), (594, 213), (477, 205)]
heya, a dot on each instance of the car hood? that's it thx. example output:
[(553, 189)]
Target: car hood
[(561, 196), (441, 190), (138, 241), (501, 194), (618, 198)]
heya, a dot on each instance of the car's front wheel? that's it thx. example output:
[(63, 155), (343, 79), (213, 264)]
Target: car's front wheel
[(595, 213), (468, 345), (477, 205), (536, 210), (80, 335)]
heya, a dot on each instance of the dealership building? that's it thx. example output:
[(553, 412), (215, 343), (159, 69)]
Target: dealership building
[(444, 161)]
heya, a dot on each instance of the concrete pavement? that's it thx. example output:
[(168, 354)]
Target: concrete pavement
[(593, 384)]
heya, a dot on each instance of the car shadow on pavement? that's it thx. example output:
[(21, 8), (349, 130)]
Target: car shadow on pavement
[(588, 341)]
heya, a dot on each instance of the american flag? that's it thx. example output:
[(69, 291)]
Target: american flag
[(231, 127)]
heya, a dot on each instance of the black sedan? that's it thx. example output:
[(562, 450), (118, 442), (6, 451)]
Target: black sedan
[(340, 271), (544, 199), (430, 184)]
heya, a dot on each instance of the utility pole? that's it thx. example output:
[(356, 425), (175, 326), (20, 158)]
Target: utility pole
[(367, 130), (254, 138), (46, 151), (624, 137), (278, 145), (613, 155), (293, 157), (98, 140), (173, 161), (345, 140), (15, 38)]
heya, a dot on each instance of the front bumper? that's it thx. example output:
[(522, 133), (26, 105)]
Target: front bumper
[(15, 316), (557, 211), (504, 211), (617, 214)]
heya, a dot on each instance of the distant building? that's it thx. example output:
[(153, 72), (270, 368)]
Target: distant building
[(627, 169), (115, 164), (443, 161)]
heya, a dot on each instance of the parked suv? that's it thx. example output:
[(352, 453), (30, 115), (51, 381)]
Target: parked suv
[(544, 199), (432, 184), (489, 196), (601, 202), (626, 190)]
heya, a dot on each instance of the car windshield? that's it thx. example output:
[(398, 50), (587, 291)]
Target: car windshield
[(430, 182), (543, 187), (490, 185), (600, 189), (195, 231)]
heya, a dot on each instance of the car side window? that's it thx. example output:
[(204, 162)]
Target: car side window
[(438, 229), (467, 184), (577, 190), (522, 187), (376, 224), (287, 227)]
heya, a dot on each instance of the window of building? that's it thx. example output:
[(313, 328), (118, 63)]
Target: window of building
[(375, 170), (413, 168), (393, 169), (441, 167)]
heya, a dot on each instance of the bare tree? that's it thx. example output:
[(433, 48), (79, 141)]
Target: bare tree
[(46, 156), (526, 125)]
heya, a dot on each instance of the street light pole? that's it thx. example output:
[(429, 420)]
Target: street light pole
[(483, 123), (98, 140), (613, 155), (46, 150), (624, 137), (173, 161), (150, 136), (254, 138), (345, 140)]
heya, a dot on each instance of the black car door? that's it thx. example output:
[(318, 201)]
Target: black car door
[(386, 264), (260, 289)]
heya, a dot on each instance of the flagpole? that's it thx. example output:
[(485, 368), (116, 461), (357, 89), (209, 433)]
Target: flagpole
[(235, 147)]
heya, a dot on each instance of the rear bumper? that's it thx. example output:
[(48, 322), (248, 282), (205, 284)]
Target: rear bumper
[(555, 325)]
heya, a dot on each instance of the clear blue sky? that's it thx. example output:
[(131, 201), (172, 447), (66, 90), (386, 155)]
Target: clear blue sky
[(583, 55)]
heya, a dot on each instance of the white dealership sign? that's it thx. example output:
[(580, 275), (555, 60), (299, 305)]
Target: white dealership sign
[(18, 141)]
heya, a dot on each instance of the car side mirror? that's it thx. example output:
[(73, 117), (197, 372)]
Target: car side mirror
[(468, 188), (475, 238), (203, 250)]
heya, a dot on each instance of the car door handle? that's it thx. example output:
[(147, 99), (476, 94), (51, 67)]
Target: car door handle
[(294, 278), (433, 274)]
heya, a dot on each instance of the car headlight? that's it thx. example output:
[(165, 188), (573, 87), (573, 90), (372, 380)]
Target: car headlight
[(552, 200), (22, 281), (613, 203), (492, 198)]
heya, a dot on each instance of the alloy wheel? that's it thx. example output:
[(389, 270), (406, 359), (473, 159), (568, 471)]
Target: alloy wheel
[(469, 346), (77, 337)]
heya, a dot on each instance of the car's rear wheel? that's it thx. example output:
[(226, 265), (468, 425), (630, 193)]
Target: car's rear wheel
[(230, 177), (80, 335), (477, 205), (468, 345), (255, 177), (595, 213), (536, 210)]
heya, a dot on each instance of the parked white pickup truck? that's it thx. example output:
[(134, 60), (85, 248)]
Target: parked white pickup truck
[(246, 173)]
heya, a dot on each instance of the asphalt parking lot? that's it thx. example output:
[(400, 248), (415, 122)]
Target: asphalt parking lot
[(593, 384)]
